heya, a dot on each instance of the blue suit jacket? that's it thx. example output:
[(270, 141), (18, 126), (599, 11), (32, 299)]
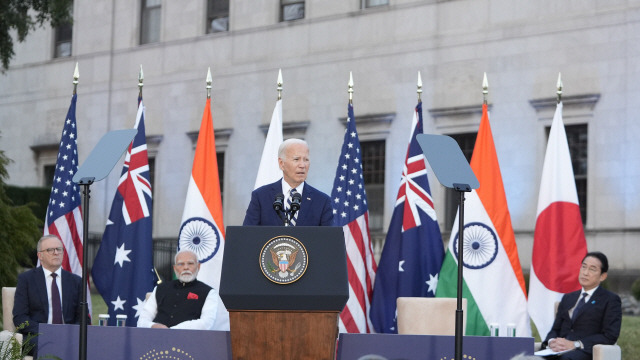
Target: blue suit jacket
[(598, 321), (31, 302), (315, 207)]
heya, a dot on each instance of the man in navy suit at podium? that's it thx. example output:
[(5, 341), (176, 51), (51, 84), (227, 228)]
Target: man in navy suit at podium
[(586, 317), (289, 193)]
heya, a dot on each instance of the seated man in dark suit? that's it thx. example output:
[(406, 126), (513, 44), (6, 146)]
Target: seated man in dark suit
[(47, 294), (315, 206), (586, 317)]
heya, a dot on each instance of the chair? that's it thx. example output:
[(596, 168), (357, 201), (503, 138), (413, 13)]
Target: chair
[(8, 294), (429, 316), (600, 351)]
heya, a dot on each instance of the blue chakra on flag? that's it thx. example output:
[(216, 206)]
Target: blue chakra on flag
[(480, 246), (200, 236)]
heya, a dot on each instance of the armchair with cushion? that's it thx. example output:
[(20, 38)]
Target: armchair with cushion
[(428, 316), (8, 294)]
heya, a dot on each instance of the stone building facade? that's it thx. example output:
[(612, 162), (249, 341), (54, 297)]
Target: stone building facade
[(521, 45)]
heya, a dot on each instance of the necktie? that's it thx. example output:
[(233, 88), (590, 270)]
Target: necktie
[(292, 219), (579, 305), (56, 307)]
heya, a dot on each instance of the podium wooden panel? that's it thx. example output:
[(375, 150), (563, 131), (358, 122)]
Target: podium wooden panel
[(278, 335)]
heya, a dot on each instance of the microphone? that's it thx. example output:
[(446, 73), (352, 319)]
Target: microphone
[(296, 197), (278, 202)]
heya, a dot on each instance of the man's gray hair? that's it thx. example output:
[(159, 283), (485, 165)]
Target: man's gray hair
[(43, 238), (285, 144), (175, 258)]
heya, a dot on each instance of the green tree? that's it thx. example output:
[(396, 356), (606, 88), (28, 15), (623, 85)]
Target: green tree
[(19, 231), (22, 16)]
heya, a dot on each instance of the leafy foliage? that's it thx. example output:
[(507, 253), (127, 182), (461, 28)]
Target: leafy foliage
[(19, 231), (22, 16), (635, 289), (12, 350)]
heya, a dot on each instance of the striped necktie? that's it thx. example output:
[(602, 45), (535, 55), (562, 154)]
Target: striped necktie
[(292, 219)]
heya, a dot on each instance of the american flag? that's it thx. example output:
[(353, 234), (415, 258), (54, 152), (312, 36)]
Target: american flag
[(413, 250), (351, 212), (64, 214), (123, 268)]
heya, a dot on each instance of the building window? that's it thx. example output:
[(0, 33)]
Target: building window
[(373, 157), (217, 16), (150, 21), (152, 173), (291, 10), (577, 140), (466, 141), (373, 3), (62, 45), (220, 159), (48, 172)]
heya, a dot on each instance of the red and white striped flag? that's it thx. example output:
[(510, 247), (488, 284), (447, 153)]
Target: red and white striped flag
[(350, 211), (558, 241), (64, 214)]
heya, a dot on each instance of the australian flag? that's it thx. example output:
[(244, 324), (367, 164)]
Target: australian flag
[(413, 251), (123, 268)]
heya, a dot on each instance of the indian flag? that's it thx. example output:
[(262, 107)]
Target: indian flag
[(202, 229), (493, 282)]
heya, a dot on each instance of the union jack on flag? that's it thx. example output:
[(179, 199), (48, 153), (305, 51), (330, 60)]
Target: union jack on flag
[(64, 214), (351, 212), (413, 251), (123, 268)]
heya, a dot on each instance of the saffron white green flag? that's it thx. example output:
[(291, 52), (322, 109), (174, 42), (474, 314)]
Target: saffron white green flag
[(202, 229), (269, 170), (493, 282)]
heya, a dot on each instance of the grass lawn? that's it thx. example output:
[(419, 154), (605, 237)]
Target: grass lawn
[(629, 339), (99, 307)]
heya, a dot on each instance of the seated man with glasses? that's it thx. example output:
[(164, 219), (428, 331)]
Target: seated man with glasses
[(184, 303), (590, 316), (47, 294)]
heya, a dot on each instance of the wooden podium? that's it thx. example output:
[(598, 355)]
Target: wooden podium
[(271, 320)]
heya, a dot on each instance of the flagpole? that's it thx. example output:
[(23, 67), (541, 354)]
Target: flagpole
[(461, 188), (559, 86), (85, 183), (209, 81), (350, 90), (140, 82), (419, 85), (76, 76), (279, 84)]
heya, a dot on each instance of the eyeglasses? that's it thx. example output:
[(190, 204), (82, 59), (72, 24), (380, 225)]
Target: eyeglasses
[(53, 250)]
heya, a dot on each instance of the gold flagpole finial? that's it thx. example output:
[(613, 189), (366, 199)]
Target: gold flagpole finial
[(350, 90), (485, 88), (279, 84), (559, 86), (76, 76), (419, 91), (209, 80), (140, 80)]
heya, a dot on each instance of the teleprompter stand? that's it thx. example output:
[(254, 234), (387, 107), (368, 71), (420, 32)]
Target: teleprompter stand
[(453, 171), (97, 166), (269, 320)]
